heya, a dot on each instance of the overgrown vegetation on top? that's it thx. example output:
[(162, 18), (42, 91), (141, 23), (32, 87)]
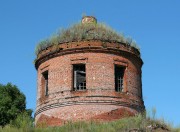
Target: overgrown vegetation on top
[(80, 32), (138, 123)]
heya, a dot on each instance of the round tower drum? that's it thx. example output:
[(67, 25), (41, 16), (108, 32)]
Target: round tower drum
[(88, 80)]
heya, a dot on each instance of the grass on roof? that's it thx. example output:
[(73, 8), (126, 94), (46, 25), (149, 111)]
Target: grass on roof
[(82, 32)]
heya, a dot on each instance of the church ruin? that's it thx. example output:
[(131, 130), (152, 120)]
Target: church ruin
[(92, 75)]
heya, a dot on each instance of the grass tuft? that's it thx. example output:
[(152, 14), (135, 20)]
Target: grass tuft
[(80, 32), (140, 123)]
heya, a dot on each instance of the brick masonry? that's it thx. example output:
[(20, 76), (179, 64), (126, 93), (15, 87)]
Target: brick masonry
[(99, 101)]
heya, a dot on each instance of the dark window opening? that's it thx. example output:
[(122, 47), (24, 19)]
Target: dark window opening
[(45, 85), (119, 78), (79, 77)]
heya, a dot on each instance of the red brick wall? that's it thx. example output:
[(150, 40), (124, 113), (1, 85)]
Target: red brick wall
[(99, 99), (63, 115)]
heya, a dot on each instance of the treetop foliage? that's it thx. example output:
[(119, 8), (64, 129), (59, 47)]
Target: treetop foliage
[(12, 103)]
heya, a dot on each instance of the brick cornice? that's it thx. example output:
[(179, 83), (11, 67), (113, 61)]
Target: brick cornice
[(88, 46)]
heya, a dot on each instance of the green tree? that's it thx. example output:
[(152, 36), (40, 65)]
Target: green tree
[(12, 103)]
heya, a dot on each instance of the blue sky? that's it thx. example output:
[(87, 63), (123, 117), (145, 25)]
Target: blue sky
[(154, 24)]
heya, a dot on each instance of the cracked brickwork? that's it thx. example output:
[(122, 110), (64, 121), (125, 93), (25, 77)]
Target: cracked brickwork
[(99, 101)]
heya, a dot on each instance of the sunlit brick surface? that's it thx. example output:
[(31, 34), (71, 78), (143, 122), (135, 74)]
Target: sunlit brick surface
[(99, 101)]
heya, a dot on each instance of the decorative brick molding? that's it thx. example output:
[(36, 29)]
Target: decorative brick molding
[(99, 99)]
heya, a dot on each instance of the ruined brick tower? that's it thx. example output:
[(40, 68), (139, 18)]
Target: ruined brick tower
[(91, 79)]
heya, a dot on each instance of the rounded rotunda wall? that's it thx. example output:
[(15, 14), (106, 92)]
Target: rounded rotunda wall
[(99, 100)]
